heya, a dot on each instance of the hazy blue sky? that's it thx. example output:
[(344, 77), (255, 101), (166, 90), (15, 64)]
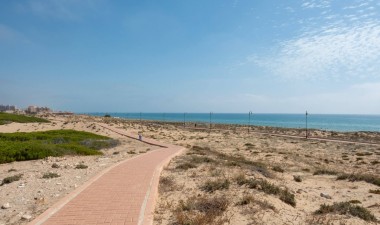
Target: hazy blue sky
[(195, 56)]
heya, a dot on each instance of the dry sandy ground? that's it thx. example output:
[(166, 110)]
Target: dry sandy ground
[(215, 156), (32, 195), (181, 189)]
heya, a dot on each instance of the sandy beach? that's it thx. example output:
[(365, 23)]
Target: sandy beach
[(189, 186)]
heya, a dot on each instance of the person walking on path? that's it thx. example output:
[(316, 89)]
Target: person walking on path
[(140, 137)]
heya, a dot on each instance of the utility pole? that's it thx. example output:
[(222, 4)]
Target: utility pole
[(210, 119), (184, 120), (306, 124), (249, 120)]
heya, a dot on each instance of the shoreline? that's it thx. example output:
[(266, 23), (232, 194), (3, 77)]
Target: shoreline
[(324, 122), (365, 137)]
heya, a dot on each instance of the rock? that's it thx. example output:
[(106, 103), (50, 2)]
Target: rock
[(5, 206), (26, 217), (326, 196), (299, 191), (21, 186)]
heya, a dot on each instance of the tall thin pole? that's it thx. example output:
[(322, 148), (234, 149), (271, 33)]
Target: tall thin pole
[(140, 117), (184, 120), (210, 119), (249, 121), (306, 123)]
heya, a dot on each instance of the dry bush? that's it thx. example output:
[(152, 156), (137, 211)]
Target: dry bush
[(201, 211), (166, 184), (344, 208), (219, 184)]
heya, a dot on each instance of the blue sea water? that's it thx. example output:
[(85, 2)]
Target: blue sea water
[(317, 121)]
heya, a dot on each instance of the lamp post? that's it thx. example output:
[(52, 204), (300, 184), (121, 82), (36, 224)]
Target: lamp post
[(249, 120), (210, 119), (306, 123), (184, 120)]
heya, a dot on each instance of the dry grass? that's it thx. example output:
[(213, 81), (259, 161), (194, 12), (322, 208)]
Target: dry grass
[(210, 186), (50, 175), (11, 179), (343, 208), (201, 211), (369, 178), (166, 184)]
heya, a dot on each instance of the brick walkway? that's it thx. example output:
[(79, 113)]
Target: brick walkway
[(124, 194)]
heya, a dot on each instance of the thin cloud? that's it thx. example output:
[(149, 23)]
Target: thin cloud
[(59, 9), (7, 34), (343, 46)]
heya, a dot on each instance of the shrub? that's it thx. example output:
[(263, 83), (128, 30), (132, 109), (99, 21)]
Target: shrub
[(278, 169), (50, 175), (55, 165), (369, 178), (211, 186), (245, 200), (325, 172), (186, 166), (375, 191), (297, 178), (81, 166), (201, 211), (347, 208), (11, 179), (268, 188), (39, 145), (166, 184)]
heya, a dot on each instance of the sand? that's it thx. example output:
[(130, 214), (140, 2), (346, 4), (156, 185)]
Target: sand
[(32, 195), (297, 157)]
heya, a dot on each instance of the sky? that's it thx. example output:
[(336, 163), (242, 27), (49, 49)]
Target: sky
[(269, 56)]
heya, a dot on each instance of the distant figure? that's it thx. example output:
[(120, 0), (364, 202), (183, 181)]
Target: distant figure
[(140, 137), (195, 125)]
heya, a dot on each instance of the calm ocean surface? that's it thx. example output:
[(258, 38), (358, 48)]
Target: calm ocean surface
[(318, 121)]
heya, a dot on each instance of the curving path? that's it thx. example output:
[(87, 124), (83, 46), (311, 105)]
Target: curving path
[(122, 194)]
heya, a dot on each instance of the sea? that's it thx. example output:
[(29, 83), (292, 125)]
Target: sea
[(330, 122)]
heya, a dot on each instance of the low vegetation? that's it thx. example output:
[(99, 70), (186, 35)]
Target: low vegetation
[(344, 208), (211, 186), (377, 191), (201, 211), (81, 166), (6, 118), (369, 178), (38, 145), (325, 172), (268, 188), (11, 179), (50, 175)]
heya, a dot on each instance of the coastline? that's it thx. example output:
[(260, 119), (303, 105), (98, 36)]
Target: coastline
[(326, 122), (296, 156)]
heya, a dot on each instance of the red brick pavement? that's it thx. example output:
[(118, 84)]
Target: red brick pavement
[(123, 195)]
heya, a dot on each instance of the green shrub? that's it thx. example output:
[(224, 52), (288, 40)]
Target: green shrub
[(8, 118), (38, 145)]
